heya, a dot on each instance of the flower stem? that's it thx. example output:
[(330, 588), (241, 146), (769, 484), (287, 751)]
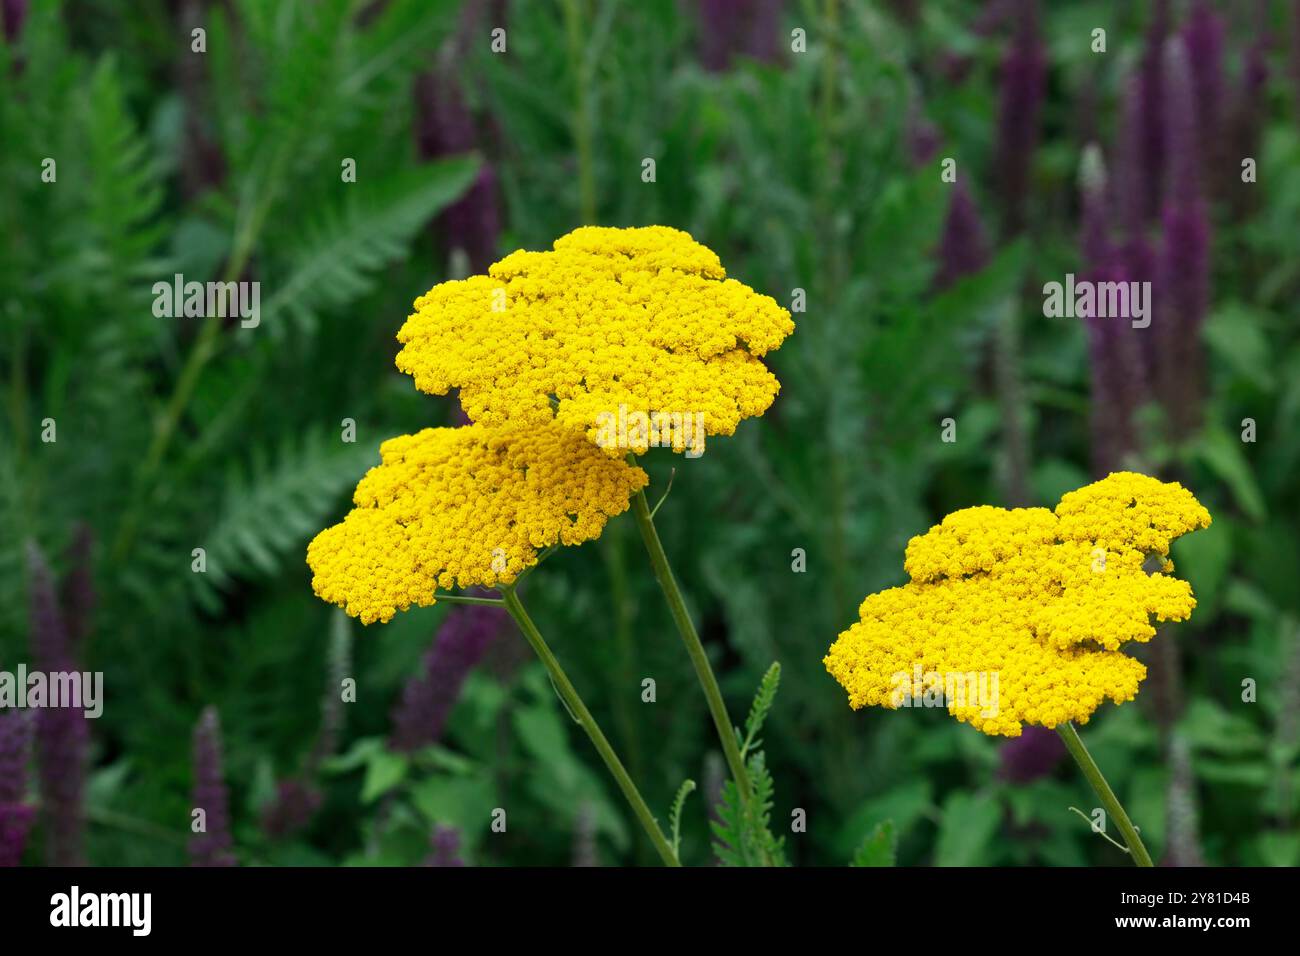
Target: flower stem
[(468, 599), (682, 618), (583, 716), (1079, 752), (582, 130)]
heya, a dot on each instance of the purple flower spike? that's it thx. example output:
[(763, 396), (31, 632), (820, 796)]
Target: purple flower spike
[(1115, 357), (733, 28), (14, 14), (78, 591), (295, 803), (446, 847), (473, 222), (61, 732), (1135, 191), (962, 248), (1032, 755), (15, 814), (460, 644), (922, 138), (1246, 119), (15, 823), (1295, 53), (1203, 39), (15, 751), (1095, 233), (1024, 77), (445, 127), (1183, 285), (213, 846), (1153, 105)]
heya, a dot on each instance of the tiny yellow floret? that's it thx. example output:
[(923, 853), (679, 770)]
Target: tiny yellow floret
[(1031, 602), (610, 322), (459, 507)]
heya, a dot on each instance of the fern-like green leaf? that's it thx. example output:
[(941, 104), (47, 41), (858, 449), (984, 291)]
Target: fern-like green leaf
[(763, 700), (271, 509), (345, 249), (730, 843), (742, 832), (675, 815)]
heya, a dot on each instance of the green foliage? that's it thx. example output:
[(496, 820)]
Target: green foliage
[(675, 814), (798, 174), (742, 831), (342, 251), (758, 710), (879, 848), (272, 507)]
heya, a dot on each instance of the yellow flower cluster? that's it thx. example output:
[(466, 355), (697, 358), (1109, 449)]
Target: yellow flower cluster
[(1031, 603), (462, 507), (642, 320)]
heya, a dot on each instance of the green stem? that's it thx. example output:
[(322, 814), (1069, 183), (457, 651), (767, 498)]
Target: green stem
[(682, 618), (1090, 770), (206, 345), (570, 697), (582, 132), (467, 599)]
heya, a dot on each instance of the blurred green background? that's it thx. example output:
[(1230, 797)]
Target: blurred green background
[(816, 170)]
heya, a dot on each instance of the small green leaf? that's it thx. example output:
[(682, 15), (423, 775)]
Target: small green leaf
[(970, 821), (358, 755), (880, 848), (1236, 334), (384, 772), (1222, 454), (675, 815)]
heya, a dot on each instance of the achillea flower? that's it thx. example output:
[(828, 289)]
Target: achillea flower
[(636, 321), (1040, 600), (213, 846), (464, 507), (61, 732), (15, 813), (426, 701)]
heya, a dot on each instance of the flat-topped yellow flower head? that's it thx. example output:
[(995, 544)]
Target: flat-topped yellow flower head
[(458, 507), (632, 337), (1017, 617)]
